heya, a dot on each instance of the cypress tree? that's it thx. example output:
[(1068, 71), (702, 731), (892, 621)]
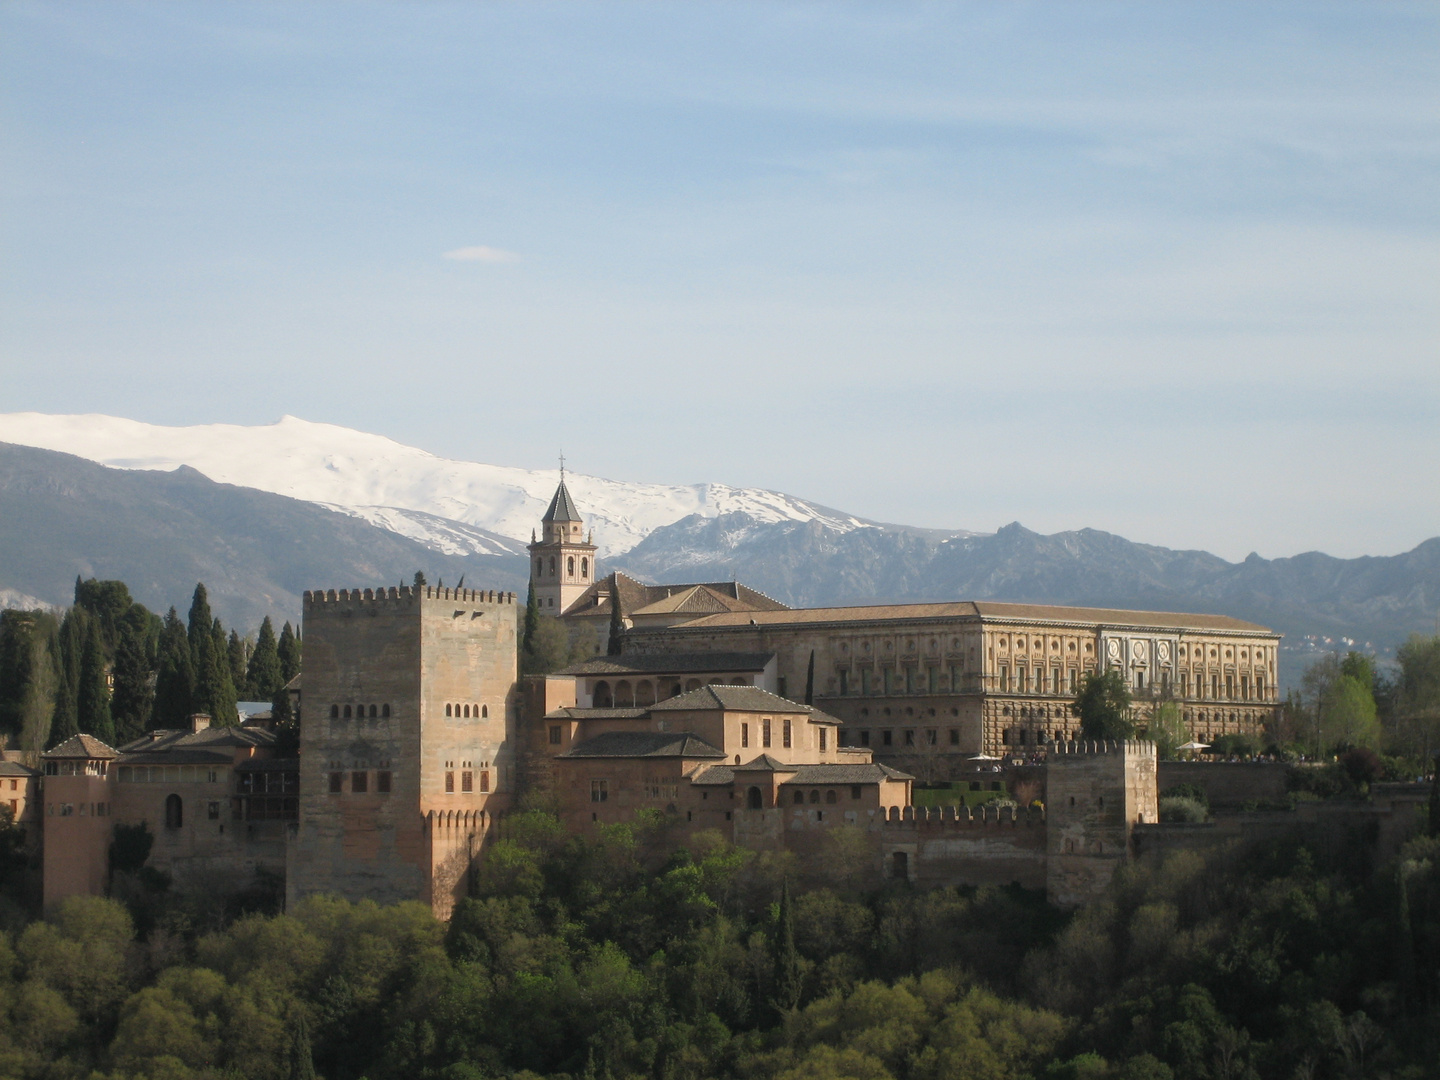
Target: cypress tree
[(288, 649), (532, 620), (69, 648), (63, 722), (810, 680), (264, 676), (135, 685), (617, 619), (239, 661), (92, 702), (787, 985), (214, 690), (302, 1061), (27, 676), (201, 624), (175, 675)]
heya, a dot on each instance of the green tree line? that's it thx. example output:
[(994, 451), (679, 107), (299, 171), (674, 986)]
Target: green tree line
[(110, 667)]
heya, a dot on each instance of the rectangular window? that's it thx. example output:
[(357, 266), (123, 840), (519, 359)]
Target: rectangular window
[(1022, 679), (909, 736), (932, 679), (554, 734), (1230, 687), (360, 782), (1214, 686), (765, 733), (864, 738), (886, 737), (449, 783), (1004, 680), (856, 791), (954, 736), (212, 811), (1074, 680), (467, 781), (337, 783), (909, 680), (1260, 687), (865, 676), (744, 735), (785, 734), (932, 736), (484, 780), (382, 781), (889, 676), (822, 740), (844, 681), (599, 790)]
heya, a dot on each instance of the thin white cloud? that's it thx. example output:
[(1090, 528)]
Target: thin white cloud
[(481, 254)]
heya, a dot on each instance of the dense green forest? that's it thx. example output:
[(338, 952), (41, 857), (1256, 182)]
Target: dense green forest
[(114, 669), (603, 957)]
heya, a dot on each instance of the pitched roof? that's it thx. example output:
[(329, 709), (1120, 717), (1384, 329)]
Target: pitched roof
[(82, 746), (163, 740), (670, 663), (562, 507), (632, 744), (574, 712), (733, 698), (714, 774), (15, 768), (871, 773), (693, 600), (766, 763), (983, 609), (638, 596)]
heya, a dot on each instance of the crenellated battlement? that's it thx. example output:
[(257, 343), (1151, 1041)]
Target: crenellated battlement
[(403, 595), (1059, 751), (963, 817)]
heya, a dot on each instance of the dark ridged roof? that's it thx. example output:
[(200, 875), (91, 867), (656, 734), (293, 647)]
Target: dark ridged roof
[(735, 698), (670, 663), (14, 768), (82, 746), (574, 712), (659, 744), (846, 774), (562, 507), (768, 763), (162, 740)]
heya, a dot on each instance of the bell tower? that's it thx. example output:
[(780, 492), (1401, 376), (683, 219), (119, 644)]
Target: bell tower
[(562, 560)]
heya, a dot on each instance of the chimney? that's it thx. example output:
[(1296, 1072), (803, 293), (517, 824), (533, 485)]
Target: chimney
[(199, 721)]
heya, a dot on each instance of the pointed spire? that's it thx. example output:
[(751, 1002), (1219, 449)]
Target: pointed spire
[(562, 507)]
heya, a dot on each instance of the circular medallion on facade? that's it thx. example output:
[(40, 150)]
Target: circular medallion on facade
[(1113, 648), (1137, 650), (1162, 652)]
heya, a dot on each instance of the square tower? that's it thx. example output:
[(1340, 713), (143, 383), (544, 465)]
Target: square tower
[(562, 561), (406, 741), (1095, 795)]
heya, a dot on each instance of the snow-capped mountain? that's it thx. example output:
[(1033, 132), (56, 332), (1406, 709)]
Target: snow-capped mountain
[(400, 488)]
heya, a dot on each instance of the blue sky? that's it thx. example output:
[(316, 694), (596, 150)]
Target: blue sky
[(1168, 270)]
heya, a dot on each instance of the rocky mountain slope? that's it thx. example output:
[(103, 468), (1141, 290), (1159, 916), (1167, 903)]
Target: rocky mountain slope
[(161, 532)]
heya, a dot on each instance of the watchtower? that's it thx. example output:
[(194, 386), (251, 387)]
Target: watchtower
[(77, 820), (406, 749), (562, 561), (1095, 795)]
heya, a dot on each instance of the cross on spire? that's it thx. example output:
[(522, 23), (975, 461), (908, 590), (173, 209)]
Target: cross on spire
[(562, 466)]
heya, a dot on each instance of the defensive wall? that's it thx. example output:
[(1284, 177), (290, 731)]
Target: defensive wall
[(1227, 784)]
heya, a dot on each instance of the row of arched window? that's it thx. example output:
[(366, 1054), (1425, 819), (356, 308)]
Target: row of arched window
[(642, 694), (358, 711), (569, 566), (467, 710)]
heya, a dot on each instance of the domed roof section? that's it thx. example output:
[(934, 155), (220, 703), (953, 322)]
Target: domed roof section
[(562, 507)]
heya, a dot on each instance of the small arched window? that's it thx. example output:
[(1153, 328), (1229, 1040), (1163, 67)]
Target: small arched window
[(466, 712), (830, 796), (447, 708), (570, 566), (373, 712), (385, 710), (814, 796), (347, 712), (484, 711), (584, 567), (552, 564), (334, 712), (174, 812), (752, 799), (799, 798)]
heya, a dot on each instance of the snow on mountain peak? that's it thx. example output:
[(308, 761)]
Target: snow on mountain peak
[(397, 487)]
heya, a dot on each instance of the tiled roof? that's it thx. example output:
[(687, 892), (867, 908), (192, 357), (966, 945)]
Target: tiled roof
[(714, 775), (692, 600), (846, 774), (574, 712), (14, 768), (734, 698), (162, 739), (562, 507), (632, 744), (767, 763), (82, 746), (670, 663), (982, 609), (636, 595)]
